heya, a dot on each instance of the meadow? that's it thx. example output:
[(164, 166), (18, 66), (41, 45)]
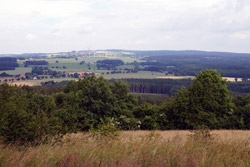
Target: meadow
[(200, 148), (19, 70)]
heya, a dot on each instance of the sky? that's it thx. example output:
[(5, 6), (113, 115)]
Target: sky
[(33, 26)]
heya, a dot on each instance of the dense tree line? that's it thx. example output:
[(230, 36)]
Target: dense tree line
[(171, 87), (108, 64), (239, 88), (4, 74), (38, 62), (168, 87), (29, 114), (39, 70), (182, 65), (8, 63)]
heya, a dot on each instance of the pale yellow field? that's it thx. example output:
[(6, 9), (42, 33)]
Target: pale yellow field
[(232, 79), (22, 83)]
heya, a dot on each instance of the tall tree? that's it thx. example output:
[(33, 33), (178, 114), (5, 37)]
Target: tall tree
[(209, 101)]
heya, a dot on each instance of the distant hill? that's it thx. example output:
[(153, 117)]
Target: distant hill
[(23, 55), (181, 53), (147, 53)]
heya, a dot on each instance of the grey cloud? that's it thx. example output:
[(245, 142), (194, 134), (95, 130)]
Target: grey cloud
[(238, 5), (127, 24)]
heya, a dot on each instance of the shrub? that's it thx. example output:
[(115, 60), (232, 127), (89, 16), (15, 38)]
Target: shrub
[(106, 129)]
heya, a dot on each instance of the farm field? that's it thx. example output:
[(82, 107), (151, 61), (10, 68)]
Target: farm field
[(19, 70), (137, 148), (38, 82), (140, 75)]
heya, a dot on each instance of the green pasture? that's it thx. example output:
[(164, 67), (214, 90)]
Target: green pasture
[(19, 70)]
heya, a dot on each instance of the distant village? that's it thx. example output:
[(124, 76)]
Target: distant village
[(89, 53)]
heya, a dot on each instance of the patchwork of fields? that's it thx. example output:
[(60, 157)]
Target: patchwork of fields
[(72, 65)]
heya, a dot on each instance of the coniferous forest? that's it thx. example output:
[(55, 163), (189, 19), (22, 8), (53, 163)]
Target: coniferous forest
[(31, 114)]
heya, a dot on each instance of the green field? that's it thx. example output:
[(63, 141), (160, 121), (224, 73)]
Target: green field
[(72, 65), (19, 70)]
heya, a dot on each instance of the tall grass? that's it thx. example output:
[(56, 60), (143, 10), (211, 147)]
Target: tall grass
[(136, 148)]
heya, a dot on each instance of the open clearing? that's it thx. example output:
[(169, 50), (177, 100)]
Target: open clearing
[(140, 74), (137, 148)]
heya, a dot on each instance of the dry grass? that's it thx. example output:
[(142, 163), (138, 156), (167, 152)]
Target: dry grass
[(137, 148)]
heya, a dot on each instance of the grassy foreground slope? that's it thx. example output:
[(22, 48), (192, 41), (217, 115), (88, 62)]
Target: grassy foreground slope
[(137, 148)]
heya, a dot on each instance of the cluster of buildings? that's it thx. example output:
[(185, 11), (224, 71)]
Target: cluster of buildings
[(89, 53)]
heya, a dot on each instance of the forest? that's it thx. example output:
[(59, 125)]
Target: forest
[(31, 114), (8, 63), (109, 64), (28, 63), (227, 65), (171, 87)]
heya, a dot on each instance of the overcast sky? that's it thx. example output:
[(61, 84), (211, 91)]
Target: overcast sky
[(66, 25)]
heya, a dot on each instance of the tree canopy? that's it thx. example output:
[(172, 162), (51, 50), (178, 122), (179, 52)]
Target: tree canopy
[(29, 114), (206, 102)]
